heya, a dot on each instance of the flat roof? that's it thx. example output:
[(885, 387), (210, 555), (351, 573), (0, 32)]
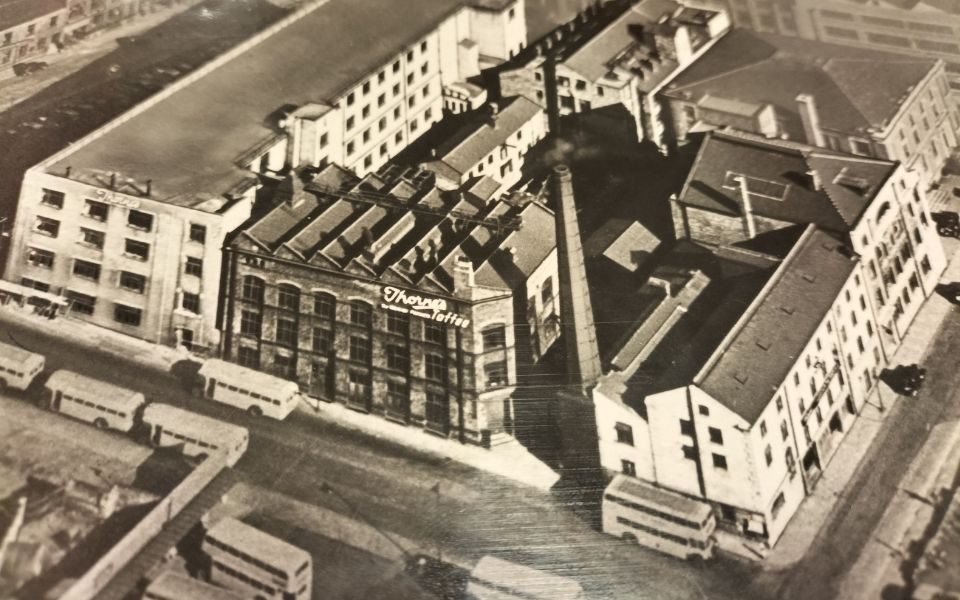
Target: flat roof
[(18, 354), (658, 496), (68, 380), (214, 367), (189, 143), (188, 421), (238, 534)]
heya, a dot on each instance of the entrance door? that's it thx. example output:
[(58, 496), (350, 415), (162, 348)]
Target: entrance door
[(186, 338)]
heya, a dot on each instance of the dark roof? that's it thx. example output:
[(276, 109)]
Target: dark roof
[(199, 132), (484, 132), (397, 225), (753, 361), (854, 88), (17, 12), (779, 180)]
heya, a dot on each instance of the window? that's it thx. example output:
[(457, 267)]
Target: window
[(359, 348), (351, 98), (686, 427), (86, 269), (133, 282), (360, 313), (428, 115), (135, 249), (198, 233), (40, 258), (322, 340), (720, 461), (81, 303), (716, 436), (434, 367), (252, 289), (127, 315), (397, 396), (351, 148), (47, 226), (397, 357), (396, 92), (398, 322), (324, 305), (423, 71), (31, 28), (52, 198), (194, 266), (704, 410), (285, 366), (624, 434), (324, 140), (365, 112), (368, 161), (768, 455), (628, 468), (96, 210), (250, 323), (784, 431), (779, 404), (248, 357), (92, 238), (434, 332), (763, 428), (288, 297), (191, 302), (494, 336), (396, 66), (410, 79), (496, 373), (287, 332), (140, 220), (366, 88), (689, 453), (423, 46)]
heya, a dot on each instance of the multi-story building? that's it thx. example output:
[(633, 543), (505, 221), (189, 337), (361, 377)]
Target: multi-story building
[(29, 28), (864, 102), (354, 96), (749, 373), (926, 28), (621, 54), (395, 297), (490, 142)]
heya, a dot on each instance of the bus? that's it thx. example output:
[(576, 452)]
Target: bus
[(196, 435), (18, 367), (497, 579), (171, 585), (256, 392), (93, 401), (248, 560), (643, 513)]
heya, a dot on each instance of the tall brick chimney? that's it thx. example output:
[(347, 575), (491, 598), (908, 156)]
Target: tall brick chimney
[(810, 118)]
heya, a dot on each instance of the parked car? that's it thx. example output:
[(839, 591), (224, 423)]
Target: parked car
[(905, 379), (948, 223), (26, 68)]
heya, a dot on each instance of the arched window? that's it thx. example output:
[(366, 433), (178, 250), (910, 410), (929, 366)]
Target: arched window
[(882, 211), (288, 297), (252, 289), (360, 313), (324, 305)]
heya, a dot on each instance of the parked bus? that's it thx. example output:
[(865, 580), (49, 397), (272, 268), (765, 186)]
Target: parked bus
[(246, 559), (18, 367), (93, 401), (196, 435), (661, 519), (256, 392), (497, 579), (171, 585)]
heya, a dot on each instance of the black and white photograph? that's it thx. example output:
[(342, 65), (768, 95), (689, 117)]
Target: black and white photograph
[(479, 299)]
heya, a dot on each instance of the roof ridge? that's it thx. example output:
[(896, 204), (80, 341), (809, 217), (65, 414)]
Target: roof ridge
[(822, 188), (726, 73)]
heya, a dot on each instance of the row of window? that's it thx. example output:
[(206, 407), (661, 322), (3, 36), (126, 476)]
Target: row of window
[(279, 573), (245, 392), (189, 440), (382, 75), (94, 405), (676, 539), (250, 581), (654, 512)]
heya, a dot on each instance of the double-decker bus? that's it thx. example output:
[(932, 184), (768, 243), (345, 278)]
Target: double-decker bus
[(103, 404), (672, 523), (196, 435), (253, 391), (246, 559), (171, 585), (18, 367), (497, 579)]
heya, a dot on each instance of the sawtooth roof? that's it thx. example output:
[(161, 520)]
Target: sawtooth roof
[(855, 89), (779, 180)]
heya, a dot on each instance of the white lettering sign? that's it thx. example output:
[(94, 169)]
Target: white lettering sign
[(116, 199), (434, 309)]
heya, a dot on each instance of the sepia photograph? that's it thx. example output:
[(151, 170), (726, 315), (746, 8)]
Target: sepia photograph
[(479, 299)]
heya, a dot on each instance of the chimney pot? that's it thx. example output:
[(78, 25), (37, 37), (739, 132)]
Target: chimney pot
[(69, 168), (113, 181), (149, 187)]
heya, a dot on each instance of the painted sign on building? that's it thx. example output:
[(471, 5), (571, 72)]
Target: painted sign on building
[(425, 307)]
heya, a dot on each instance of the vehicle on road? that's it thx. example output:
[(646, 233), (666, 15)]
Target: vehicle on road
[(171, 585), (661, 519), (253, 391), (905, 380), (18, 367), (497, 579), (245, 559), (105, 405), (26, 68), (195, 435), (948, 223)]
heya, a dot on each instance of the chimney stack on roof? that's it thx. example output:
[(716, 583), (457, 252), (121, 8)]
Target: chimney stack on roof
[(746, 209), (815, 182), (113, 181), (68, 170), (810, 118), (576, 311), (463, 276), (149, 188)]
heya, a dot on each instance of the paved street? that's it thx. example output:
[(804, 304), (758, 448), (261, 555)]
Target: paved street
[(474, 514)]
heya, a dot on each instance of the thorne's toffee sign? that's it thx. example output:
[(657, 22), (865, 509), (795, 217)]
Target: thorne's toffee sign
[(425, 307)]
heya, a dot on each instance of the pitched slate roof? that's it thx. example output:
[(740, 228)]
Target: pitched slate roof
[(779, 181), (855, 89), (756, 356)]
